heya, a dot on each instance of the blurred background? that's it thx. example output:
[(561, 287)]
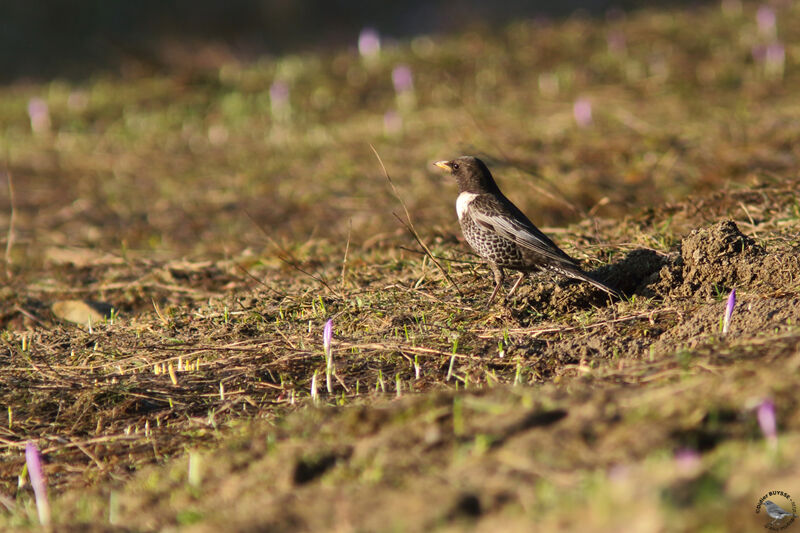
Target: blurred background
[(46, 38), (209, 129)]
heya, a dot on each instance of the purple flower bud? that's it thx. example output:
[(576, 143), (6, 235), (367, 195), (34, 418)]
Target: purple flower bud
[(402, 80), (582, 111), (369, 43), (765, 18), (39, 114), (34, 461), (726, 323), (766, 420), (279, 100), (279, 93), (327, 336), (687, 459)]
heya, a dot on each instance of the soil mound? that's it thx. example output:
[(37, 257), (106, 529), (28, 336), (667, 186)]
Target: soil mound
[(718, 258)]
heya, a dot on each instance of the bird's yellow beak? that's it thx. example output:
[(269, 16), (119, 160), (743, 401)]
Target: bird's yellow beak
[(444, 165)]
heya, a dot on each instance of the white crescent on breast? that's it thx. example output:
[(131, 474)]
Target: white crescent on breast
[(462, 203)]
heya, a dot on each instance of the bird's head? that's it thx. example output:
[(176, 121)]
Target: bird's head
[(471, 174)]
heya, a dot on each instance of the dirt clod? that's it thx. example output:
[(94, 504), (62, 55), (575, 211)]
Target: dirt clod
[(718, 258)]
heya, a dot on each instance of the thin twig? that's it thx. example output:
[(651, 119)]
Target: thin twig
[(251, 276), (750, 218), (289, 259), (346, 249), (440, 258), (29, 315), (410, 225)]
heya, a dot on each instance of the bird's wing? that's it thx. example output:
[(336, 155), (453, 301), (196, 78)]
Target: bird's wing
[(509, 222)]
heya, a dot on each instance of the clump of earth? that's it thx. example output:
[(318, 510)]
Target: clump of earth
[(693, 286)]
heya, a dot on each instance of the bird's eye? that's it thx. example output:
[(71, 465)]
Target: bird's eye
[(455, 166)]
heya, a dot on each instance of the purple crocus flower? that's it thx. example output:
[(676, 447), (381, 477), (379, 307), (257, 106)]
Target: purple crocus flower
[(766, 420), (726, 322), (279, 97), (402, 79), (766, 20), (34, 461), (687, 459), (369, 43), (39, 114), (327, 337), (582, 111)]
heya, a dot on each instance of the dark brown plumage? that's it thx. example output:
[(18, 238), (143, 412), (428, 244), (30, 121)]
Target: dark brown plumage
[(501, 234)]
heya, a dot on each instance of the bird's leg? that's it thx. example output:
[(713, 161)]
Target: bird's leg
[(522, 275), (498, 280)]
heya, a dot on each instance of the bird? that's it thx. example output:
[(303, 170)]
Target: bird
[(501, 234), (776, 512)]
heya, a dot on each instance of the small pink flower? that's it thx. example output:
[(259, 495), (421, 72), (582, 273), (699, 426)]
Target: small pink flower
[(582, 111), (279, 99), (765, 412), (39, 114), (766, 20), (34, 462), (402, 79), (726, 322), (687, 459), (369, 43), (327, 336), (279, 92)]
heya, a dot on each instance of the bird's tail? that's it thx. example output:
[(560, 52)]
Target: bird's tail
[(585, 276)]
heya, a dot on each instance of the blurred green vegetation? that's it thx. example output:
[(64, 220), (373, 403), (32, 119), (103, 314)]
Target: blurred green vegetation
[(180, 162)]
